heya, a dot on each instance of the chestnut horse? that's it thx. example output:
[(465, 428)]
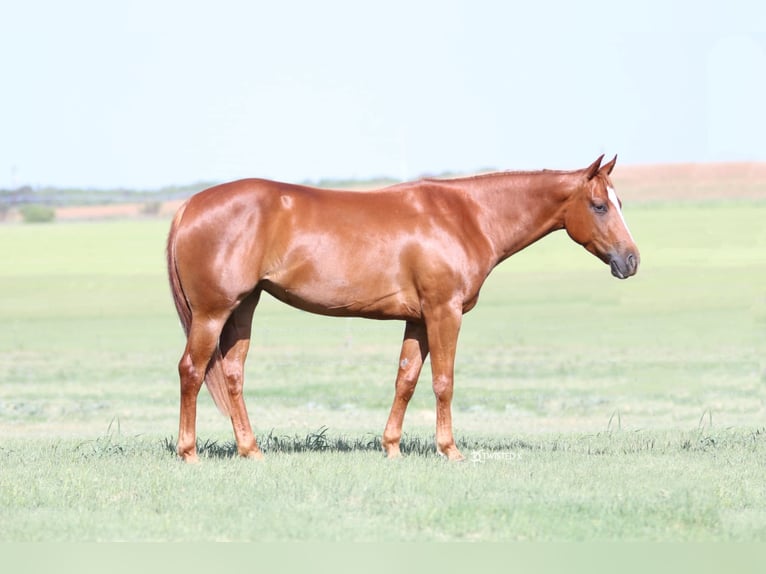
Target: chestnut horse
[(418, 252)]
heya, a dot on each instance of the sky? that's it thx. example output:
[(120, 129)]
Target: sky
[(145, 94)]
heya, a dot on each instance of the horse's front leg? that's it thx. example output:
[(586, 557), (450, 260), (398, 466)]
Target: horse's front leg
[(443, 326), (414, 352)]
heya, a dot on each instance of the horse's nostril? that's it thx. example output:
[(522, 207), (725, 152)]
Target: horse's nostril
[(632, 261)]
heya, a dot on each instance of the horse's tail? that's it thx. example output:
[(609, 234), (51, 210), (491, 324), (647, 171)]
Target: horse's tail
[(176, 289), (214, 376)]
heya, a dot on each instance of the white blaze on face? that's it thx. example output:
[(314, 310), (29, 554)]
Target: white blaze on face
[(615, 202)]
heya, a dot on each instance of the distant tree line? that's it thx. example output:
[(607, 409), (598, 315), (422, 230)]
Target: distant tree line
[(59, 197), (51, 197)]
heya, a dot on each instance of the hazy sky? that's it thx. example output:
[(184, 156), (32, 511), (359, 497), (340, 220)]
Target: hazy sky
[(150, 93)]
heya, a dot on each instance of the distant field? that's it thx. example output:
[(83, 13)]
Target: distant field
[(588, 408), (691, 182)]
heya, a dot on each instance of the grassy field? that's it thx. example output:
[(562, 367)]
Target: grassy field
[(588, 408)]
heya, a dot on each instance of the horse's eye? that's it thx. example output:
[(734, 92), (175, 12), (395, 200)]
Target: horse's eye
[(599, 207)]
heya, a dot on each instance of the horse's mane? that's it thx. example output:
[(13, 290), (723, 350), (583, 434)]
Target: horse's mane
[(498, 174)]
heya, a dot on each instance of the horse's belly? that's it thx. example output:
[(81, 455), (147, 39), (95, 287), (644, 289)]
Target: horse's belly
[(347, 299)]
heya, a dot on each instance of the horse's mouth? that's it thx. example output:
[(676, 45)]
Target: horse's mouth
[(624, 268), (616, 270)]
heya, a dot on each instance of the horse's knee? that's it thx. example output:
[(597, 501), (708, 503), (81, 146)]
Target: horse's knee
[(442, 385)]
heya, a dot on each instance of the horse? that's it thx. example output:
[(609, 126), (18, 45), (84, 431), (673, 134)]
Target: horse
[(417, 252)]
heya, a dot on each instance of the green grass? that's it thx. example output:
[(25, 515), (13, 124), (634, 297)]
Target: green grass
[(601, 409), (625, 486)]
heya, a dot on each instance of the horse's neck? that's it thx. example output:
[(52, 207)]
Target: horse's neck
[(520, 208)]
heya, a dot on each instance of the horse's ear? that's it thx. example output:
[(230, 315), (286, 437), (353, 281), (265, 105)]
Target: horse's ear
[(592, 170), (608, 167)]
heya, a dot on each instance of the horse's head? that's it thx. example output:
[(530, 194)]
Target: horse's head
[(593, 218)]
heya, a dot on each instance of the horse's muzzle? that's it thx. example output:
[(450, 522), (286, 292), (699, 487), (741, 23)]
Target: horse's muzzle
[(624, 265)]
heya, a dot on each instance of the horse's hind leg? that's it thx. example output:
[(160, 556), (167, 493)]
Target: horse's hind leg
[(200, 346), (235, 342), (414, 352)]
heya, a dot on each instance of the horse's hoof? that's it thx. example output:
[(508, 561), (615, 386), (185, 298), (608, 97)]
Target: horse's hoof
[(253, 455), (452, 454), (189, 458)]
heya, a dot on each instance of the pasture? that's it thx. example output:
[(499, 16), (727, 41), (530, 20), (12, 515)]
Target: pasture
[(587, 408)]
